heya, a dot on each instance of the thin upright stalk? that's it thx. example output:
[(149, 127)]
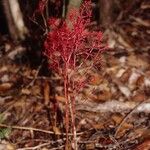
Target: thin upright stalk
[(64, 9), (67, 103), (72, 110)]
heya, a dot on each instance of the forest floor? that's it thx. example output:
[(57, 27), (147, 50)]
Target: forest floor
[(112, 112)]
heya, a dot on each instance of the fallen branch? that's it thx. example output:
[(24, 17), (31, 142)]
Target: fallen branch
[(113, 106)]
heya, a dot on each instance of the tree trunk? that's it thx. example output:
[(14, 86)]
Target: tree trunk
[(106, 12), (14, 19), (73, 4)]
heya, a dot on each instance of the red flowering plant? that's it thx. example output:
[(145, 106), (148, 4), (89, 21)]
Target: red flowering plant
[(69, 47)]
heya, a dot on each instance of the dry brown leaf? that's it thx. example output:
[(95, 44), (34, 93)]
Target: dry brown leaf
[(125, 77), (46, 93), (104, 95), (98, 126), (112, 70), (140, 81), (15, 52), (4, 68), (38, 108), (56, 130), (5, 78), (146, 134), (123, 39), (136, 61), (25, 91), (36, 90), (10, 147), (133, 79), (5, 86), (125, 90), (142, 132), (96, 79), (90, 146), (60, 99), (145, 5), (120, 72), (144, 146), (6, 146), (111, 60), (139, 96), (118, 118), (21, 102)]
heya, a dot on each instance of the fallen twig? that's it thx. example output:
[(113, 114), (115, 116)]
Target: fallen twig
[(113, 106), (35, 147), (36, 129)]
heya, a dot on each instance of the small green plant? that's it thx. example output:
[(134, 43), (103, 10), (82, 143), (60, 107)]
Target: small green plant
[(4, 132)]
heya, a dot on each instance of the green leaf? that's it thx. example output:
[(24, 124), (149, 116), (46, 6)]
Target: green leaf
[(4, 132), (1, 118)]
